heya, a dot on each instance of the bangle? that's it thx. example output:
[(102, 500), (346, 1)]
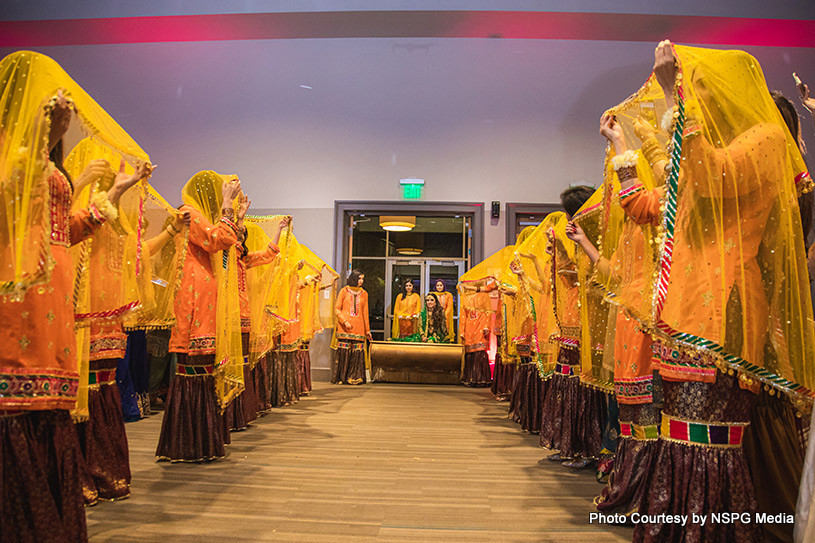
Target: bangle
[(653, 151), (171, 230), (228, 212), (627, 173)]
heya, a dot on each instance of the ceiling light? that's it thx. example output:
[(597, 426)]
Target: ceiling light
[(409, 251), (397, 223)]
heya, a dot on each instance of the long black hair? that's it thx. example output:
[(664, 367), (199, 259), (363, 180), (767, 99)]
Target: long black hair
[(436, 320), (353, 278)]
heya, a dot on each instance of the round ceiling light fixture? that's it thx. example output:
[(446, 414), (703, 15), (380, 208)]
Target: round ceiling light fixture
[(394, 223)]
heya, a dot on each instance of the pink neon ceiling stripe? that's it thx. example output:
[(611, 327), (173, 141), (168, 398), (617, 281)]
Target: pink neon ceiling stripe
[(411, 24)]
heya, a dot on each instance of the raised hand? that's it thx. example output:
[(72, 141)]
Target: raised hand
[(243, 206), (665, 69), (613, 132), (575, 233), (124, 181), (230, 190), (806, 97), (97, 171), (643, 129)]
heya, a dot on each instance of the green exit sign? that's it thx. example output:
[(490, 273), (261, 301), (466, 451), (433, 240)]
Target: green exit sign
[(411, 188)]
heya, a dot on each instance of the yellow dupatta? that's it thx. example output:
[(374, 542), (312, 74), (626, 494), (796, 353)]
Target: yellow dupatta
[(30, 81), (537, 290), (731, 287), (597, 316), (204, 192)]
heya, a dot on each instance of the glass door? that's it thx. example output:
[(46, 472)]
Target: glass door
[(443, 276), (396, 274)]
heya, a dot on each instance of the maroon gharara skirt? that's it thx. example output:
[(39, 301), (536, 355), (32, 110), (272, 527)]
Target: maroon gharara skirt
[(503, 377), (634, 460), (573, 415), (244, 408), (692, 478), (260, 377), (40, 487), (283, 378), (476, 369), (193, 428), (304, 370), (103, 438), (349, 363)]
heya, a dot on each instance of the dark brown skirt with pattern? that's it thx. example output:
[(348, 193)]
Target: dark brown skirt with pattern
[(283, 378), (503, 378), (517, 395), (244, 408), (40, 489), (103, 438), (304, 370), (573, 415), (476, 371), (193, 428), (260, 376), (633, 462), (349, 364), (701, 479)]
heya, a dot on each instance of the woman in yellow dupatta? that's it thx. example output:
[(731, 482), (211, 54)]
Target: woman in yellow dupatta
[(207, 332), (319, 281), (406, 311), (614, 348), (476, 313), (730, 305), (246, 406), (39, 377), (111, 283)]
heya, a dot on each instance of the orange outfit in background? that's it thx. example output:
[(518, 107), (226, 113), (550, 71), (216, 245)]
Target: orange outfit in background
[(352, 313), (475, 330)]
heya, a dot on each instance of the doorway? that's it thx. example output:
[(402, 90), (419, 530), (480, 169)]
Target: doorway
[(424, 274), (438, 242)]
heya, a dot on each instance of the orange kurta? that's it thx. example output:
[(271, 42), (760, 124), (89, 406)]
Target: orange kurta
[(38, 362), (699, 277), (195, 303), (290, 338), (352, 308), (475, 330)]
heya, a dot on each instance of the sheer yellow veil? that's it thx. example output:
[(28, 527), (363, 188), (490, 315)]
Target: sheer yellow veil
[(279, 302), (258, 282), (597, 316), (204, 193), (161, 261), (535, 299), (730, 288), (29, 82)]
